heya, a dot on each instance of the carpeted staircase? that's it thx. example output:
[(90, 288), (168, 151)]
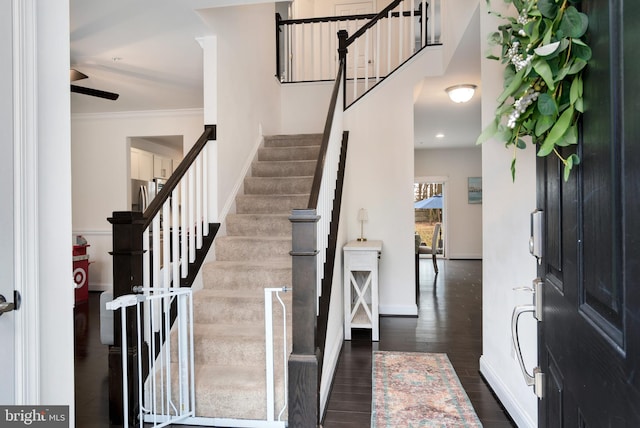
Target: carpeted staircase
[(229, 311)]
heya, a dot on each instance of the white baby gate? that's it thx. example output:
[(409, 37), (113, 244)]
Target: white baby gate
[(167, 396)]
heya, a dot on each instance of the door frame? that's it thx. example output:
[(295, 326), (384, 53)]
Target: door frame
[(445, 220)]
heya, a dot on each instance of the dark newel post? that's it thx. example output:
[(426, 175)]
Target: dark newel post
[(127, 272), (304, 383), (342, 57)]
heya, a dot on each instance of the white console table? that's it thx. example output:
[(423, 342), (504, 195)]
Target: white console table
[(361, 287)]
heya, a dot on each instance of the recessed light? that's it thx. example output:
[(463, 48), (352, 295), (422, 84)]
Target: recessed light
[(440, 135)]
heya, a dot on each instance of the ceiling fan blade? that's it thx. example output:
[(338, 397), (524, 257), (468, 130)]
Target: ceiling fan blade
[(76, 75), (94, 92)]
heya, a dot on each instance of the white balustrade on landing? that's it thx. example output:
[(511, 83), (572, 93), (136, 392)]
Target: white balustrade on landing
[(310, 48), (391, 41)]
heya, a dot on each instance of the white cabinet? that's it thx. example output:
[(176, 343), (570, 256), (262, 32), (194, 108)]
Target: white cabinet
[(361, 287), (141, 165), (162, 166)]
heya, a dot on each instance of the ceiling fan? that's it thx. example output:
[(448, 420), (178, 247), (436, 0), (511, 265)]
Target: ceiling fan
[(76, 75)]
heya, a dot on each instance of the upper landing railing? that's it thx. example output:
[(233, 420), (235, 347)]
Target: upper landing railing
[(376, 44)]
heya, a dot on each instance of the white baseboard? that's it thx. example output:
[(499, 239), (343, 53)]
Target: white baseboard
[(508, 400), (93, 286), (401, 310)]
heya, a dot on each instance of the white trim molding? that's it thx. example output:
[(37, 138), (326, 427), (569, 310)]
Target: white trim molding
[(188, 112), (510, 403), (399, 310), (26, 237)]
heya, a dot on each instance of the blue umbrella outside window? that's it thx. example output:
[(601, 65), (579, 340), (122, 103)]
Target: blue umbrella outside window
[(434, 202)]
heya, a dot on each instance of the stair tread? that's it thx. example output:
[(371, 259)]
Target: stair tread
[(255, 238), (208, 293), (275, 262)]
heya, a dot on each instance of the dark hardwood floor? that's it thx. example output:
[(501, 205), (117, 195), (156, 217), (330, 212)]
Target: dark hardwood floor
[(449, 321), (91, 367)]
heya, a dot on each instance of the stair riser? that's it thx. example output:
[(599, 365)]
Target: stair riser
[(277, 186), (221, 401), (217, 397), (248, 281), (251, 248), (293, 140), (284, 168), (244, 352), (224, 310), (288, 153), (258, 225), (257, 204)]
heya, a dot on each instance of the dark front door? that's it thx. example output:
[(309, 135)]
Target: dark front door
[(589, 336)]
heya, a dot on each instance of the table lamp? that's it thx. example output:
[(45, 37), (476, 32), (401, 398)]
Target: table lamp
[(362, 217)]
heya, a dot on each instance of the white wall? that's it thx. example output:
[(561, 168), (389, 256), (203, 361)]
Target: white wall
[(506, 260), (380, 177), (248, 92), (100, 169), (305, 106), (463, 220)]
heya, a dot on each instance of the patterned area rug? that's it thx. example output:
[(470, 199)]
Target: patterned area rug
[(412, 389)]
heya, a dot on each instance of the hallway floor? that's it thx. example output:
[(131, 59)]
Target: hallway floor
[(450, 321)]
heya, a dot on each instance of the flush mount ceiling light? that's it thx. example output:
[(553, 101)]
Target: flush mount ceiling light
[(461, 93)]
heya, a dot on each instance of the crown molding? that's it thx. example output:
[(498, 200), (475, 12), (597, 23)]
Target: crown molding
[(138, 114)]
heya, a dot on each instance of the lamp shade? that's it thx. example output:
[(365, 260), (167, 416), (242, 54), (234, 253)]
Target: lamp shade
[(461, 93), (363, 215)]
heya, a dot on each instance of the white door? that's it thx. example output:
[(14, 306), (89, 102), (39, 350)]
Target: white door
[(7, 277), (357, 8)]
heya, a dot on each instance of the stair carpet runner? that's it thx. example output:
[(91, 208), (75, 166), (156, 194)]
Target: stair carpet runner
[(230, 376)]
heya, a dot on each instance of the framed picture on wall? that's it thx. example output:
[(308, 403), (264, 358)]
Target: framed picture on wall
[(474, 188)]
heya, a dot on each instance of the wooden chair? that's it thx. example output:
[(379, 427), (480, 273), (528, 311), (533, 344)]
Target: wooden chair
[(433, 249)]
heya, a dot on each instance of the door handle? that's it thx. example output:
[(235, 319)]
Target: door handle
[(517, 311), (9, 306)]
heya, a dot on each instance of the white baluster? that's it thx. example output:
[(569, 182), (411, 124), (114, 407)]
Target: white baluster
[(184, 208), (155, 249), (356, 55), (205, 191), (377, 58), (366, 61), (198, 216), (192, 216), (401, 33), (388, 43), (412, 40), (175, 236), (166, 243)]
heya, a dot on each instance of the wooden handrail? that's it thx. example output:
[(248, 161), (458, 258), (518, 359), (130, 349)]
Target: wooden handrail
[(173, 181), (326, 19), (317, 176), (383, 14)]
